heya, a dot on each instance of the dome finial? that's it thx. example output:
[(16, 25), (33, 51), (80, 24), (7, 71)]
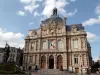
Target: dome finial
[(55, 11)]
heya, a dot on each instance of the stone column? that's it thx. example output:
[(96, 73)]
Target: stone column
[(55, 60), (46, 61)]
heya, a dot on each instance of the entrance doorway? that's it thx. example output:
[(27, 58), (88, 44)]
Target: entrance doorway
[(77, 70), (51, 62), (43, 62), (59, 62)]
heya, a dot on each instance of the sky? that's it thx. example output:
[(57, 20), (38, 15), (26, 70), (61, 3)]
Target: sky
[(17, 17)]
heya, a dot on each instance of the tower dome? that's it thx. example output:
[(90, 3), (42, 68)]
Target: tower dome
[(54, 17)]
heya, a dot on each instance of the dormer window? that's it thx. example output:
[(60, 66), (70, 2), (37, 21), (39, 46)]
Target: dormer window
[(74, 29)]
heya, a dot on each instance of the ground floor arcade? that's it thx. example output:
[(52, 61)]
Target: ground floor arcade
[(55, 61)]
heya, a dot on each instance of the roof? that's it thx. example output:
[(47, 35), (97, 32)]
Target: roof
[(1, 50), (78, 26), (55, 18)]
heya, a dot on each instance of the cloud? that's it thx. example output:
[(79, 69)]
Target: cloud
[(30, 5), (50, 4), (98, 17), (73, 0), (21, 13), (25, 1), (31, 23), (97, 10), (92, 37), (13, 39), (91, 21), (72, 13), (36, 13), (95, 59), (33, 5)]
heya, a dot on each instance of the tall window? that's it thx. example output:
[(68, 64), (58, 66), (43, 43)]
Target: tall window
[(35, 59), (75, 43), (76, 59), (45, 45), (51, 44), (31, 59), (36, 44), (32, 45), (59, 44)]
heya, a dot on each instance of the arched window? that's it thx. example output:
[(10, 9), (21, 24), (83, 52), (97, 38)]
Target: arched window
[(59, 44)]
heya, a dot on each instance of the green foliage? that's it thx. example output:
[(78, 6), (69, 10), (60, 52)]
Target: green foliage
[(10, 68), (95, 67)]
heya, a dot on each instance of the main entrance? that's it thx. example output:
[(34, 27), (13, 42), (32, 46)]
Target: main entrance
[(59, 62), (43, 62), (51, 62)]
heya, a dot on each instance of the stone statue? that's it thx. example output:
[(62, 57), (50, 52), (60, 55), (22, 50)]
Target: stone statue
[(55, 11), (7, 51)]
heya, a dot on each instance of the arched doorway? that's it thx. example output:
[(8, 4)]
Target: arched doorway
[(51, 62), (43, 62), (59, 62)]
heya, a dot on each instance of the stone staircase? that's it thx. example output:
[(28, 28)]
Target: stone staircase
[(50, 72)]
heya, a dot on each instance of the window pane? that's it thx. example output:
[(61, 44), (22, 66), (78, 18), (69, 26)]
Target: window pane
[(75, 43), (59, 44), (51, 44), (44, 45), (76, 60)]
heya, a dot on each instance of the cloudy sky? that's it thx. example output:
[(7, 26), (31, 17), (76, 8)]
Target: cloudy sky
[(19, 16)]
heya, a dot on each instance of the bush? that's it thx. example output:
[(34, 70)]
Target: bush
[(9, 68)]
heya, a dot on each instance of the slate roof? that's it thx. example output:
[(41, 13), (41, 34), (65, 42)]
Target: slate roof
[(55, 18), (78, 26)]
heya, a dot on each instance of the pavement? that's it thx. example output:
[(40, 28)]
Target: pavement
[(57, 72)]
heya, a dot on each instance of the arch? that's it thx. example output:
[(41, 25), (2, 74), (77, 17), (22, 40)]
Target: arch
[(43, 62), (51, 62), (59, 62)]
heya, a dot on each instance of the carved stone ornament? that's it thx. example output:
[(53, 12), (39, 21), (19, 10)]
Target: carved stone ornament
[(34, 33)]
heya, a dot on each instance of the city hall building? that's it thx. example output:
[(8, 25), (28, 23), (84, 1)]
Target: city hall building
[(56, 45)]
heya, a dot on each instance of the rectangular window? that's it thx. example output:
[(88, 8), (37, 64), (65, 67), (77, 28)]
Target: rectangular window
[(51, 44), (76, 59), (32, 45), (35, 59), (44, 45), (75, 42), (36, 45), (31, 58)]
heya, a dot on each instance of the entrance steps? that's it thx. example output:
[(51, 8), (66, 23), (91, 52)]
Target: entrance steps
[(50, 72)]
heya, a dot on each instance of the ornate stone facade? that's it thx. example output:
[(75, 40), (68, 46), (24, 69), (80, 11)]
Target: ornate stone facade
[(56, 45)]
